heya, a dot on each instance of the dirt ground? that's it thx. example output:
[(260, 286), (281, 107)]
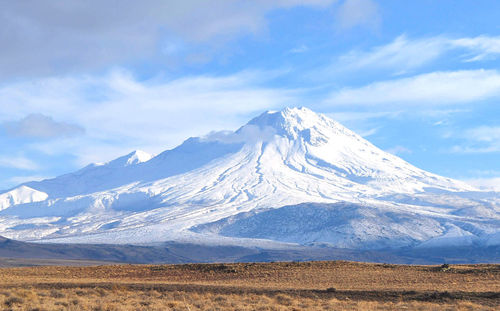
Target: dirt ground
[(333, 285)]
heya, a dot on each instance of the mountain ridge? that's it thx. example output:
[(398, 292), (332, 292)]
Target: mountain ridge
[(284, 158)]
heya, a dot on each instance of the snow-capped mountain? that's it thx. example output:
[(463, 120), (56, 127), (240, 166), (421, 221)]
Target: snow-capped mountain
[(289, 176), (21, 195)]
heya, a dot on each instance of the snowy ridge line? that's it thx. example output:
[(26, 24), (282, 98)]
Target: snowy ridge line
[(282, 168)]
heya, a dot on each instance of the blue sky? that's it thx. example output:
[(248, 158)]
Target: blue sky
[(84, 82)]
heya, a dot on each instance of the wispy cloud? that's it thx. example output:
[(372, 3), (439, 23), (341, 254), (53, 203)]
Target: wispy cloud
[(482, 139), (353, 13), (18, 162), (481, 48), (300, 49), (400, 55), (120, 112), (369, 132), (73, 35), (37, 125), (437, 88), (349, 116), (406, 54), (484, 134)]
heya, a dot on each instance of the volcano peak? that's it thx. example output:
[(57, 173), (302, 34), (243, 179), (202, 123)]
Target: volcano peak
[(294, 122)]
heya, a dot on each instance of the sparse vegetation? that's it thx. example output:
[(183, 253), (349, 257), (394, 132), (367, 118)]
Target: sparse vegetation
[(252, 286), (445, 267)]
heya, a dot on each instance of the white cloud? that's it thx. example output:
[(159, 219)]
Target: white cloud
[(44, 37), (401, 55), (482, 139), (120, 112), (484, 134), (369, 132), (352, 13), (300, 49), (405, 54), (350, 116), (481, 47), (437, 88), (247, 133), (18, 162), (40, 126)]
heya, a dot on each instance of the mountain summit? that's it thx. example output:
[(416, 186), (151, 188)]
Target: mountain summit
[(295, 122), (291, 176)]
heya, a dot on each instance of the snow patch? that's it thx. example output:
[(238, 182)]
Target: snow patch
[(21, 195)]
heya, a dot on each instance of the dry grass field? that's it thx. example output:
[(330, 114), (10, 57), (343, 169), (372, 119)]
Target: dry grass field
[(335, 285)]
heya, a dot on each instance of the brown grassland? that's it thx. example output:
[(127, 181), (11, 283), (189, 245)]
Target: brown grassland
[(333, 285)]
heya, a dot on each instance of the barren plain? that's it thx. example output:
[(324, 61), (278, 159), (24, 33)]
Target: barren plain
[(332, 285)]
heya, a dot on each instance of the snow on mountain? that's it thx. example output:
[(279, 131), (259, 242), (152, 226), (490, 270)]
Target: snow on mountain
[(21, 195), (135, 157), (348, 225), (94, 177), (278, 159)]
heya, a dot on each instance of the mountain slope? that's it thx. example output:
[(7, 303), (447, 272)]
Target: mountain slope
[(21, 195), (277, 159), (349, 225)]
